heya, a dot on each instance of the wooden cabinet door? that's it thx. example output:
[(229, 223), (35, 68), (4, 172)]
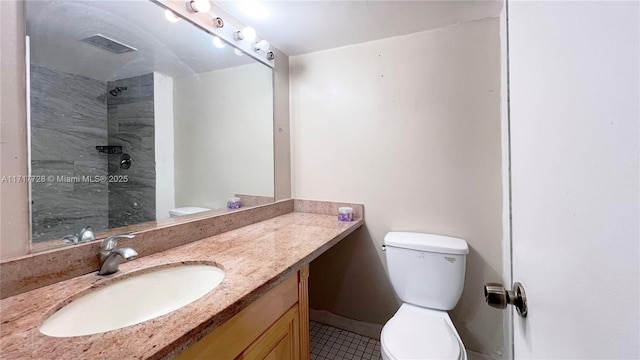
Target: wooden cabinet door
[(280, 342)]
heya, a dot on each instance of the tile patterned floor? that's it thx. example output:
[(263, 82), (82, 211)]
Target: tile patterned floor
[(329, 343)]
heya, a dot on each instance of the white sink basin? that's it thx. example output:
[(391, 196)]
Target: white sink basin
[(133, 300)]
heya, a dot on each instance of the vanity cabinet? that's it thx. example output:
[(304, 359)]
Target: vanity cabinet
[(274, 327), (280, 341)]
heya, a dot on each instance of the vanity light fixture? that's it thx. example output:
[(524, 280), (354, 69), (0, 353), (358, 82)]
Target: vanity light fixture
[(199, 6), (218, 22), (248, 34), (217, 42), (171, 16), (244, 38), (262, 45)]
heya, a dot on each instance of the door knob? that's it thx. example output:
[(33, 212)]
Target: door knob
[(498, 297)]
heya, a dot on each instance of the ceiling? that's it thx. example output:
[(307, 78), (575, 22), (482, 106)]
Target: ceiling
[(299, 27), (174, 49)]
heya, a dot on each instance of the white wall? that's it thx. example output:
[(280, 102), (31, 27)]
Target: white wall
[(410, 127), (223, 135), (164, 144), (575, 131)]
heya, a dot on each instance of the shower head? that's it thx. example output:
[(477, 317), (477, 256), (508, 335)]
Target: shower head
[(117, 90)]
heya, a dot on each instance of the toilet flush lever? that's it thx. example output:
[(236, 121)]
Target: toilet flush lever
[(496, 296)]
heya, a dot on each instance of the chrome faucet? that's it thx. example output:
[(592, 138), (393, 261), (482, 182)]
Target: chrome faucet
[(86, 234), (110, 254)]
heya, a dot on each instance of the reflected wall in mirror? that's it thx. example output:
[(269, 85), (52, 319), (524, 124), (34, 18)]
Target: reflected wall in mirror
[(132, 115)]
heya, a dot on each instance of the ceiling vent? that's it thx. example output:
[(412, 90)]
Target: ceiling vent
[(108, 44)]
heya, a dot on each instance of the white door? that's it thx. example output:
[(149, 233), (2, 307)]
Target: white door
[(574, 115)]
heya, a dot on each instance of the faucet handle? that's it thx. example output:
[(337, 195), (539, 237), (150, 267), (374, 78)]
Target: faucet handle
[(86, 234), (70, 239), (111, 242)]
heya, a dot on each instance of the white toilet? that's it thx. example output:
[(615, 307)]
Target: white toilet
[(427, 273)]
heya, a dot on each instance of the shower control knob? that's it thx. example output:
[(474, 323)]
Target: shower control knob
[(125, 161), (498, 297)]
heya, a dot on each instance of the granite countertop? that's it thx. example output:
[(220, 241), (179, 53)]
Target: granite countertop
[(255, 258)]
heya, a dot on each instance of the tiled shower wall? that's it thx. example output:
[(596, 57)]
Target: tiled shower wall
[(70, 116), (131, 125), (68, 120)]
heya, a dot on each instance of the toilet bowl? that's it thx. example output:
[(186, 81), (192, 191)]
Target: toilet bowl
[(427, 273), (186, 210), (420, 333)]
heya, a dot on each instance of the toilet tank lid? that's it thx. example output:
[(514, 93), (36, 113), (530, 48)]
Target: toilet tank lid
[(186, 210), (427, 242)]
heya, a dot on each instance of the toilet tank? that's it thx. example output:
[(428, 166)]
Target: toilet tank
[(426, 270)]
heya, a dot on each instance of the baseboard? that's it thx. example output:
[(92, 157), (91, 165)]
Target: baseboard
[(369, 330)]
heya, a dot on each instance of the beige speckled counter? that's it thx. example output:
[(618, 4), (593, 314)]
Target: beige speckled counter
[(255, 259)]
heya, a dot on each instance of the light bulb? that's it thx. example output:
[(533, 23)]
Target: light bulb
[(170, 16), (249, 34), (238, 52), (261, 45), (217, 42), (200, 5)]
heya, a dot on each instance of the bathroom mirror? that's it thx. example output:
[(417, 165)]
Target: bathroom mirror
[(134, 112)]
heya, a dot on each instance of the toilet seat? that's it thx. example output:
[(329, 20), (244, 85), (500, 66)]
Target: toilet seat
[(419, 333)]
